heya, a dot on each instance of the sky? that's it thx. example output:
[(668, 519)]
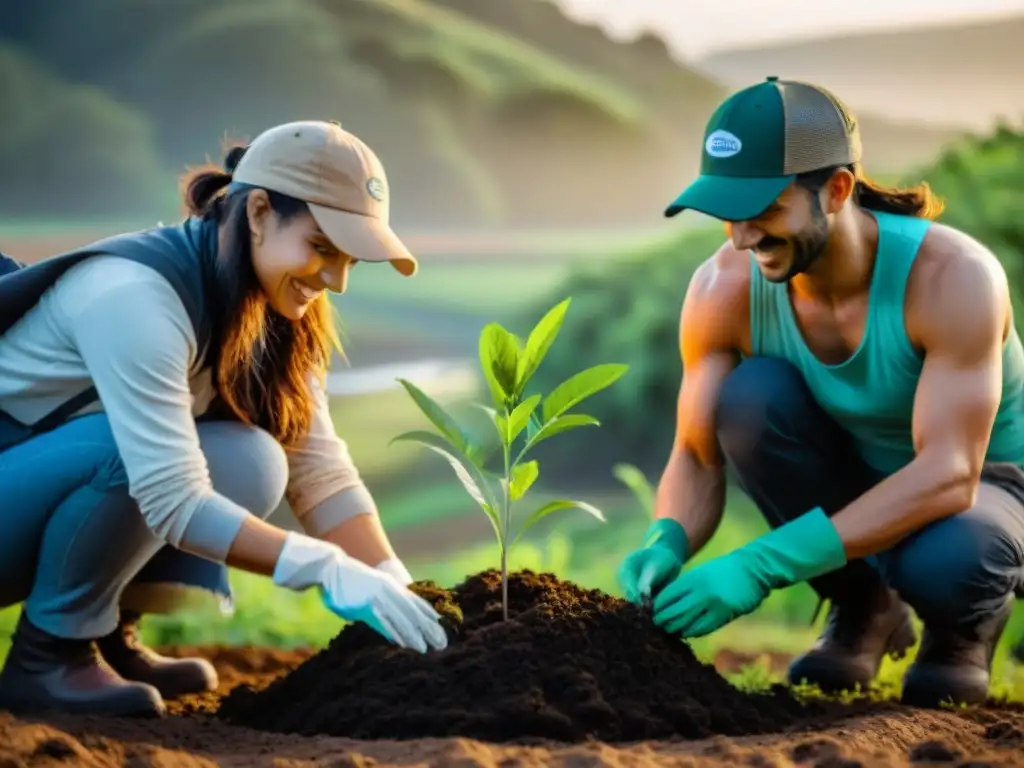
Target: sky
[(698, 27)]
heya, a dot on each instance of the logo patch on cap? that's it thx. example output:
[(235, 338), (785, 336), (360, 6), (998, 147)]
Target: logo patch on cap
[(722, 144), (375, 186)]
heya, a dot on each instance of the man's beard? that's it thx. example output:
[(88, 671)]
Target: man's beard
[(808, 246)]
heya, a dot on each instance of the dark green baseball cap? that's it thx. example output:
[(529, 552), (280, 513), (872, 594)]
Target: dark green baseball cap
[(759, 139)]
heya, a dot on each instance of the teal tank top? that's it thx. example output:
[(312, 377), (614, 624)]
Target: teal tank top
[(871, 393)]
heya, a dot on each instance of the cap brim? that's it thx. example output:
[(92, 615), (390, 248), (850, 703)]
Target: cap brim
[(365, 238), (730, 198)]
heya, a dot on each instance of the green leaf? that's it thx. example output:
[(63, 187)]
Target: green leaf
[(519, 418), (539, 342), (556, 426), (486, 409), (471, 478), (499, 359), (523, 476), (479, 455), (557, 506), (564, 424), (581, 386), (496, 419), (534, 426), (637, 482), (440, 418)]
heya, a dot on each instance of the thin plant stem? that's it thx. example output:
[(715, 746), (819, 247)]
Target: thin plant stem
[(506, 522)]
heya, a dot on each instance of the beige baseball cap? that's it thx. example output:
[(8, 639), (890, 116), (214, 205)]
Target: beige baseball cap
[(339, 177)]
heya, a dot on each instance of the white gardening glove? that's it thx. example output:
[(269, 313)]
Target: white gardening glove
[(396, 568), (357, 592)]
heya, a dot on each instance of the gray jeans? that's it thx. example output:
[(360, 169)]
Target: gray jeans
[(75, 548), (789, 456)]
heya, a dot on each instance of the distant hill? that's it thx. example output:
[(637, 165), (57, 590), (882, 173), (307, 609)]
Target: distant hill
[(485, 112), (966, 76), (681, 97)]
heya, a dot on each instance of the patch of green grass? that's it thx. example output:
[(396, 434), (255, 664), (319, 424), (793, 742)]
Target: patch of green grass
[(434, 500), (369, 422), (487, 288), (1007, 681)]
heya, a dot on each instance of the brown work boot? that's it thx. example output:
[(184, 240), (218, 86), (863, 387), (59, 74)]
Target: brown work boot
[(856, 637), (954, 663), (44, 673), (125, 653)]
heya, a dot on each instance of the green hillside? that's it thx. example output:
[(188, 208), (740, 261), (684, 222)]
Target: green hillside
[(485, 112)]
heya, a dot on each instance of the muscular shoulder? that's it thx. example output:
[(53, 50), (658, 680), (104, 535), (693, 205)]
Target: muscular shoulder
[(956, 287), (716, 311)]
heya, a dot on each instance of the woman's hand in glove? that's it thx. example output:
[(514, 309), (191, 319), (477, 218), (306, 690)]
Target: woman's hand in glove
[(357, 592)]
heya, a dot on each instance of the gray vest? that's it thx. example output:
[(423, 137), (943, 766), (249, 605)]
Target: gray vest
[(185, 254)]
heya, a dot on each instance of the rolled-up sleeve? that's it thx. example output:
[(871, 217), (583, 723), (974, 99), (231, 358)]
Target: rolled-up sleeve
[(324, 487), (135, 338)]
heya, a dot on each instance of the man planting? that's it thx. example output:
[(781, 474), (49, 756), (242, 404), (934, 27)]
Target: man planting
[(855, 364)]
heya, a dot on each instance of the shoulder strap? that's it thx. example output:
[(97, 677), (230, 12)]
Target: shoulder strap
[(766, 328), (178, 253), (8, 264), (899, 238)]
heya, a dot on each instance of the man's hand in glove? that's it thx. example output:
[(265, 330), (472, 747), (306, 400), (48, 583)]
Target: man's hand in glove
[(647, 570), (715, 593)]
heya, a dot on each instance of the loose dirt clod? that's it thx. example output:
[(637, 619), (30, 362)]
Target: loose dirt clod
[(569, 665), (933, 751), (1005, 733)]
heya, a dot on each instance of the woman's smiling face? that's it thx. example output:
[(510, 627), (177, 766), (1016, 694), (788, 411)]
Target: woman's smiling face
[(293, 259)]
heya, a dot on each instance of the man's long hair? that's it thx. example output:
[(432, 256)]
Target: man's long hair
[(919, 201)]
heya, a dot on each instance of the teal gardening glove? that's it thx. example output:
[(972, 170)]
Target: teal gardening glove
[(715, 593), (646, 570)]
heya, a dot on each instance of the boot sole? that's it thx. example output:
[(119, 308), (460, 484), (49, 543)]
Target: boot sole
[(927, 688), (173, 685), (143, 706), (930, 686)]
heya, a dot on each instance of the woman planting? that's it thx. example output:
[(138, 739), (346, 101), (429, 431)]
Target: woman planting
[(160, 392)]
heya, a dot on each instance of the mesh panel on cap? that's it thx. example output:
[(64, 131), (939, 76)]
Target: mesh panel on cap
[(820, 132)]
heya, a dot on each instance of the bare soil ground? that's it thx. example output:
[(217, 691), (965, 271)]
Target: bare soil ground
[(360, 685), (191, 737)]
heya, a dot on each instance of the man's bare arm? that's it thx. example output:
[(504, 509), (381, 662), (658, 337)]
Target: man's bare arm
[(692, 486), (962, 324)]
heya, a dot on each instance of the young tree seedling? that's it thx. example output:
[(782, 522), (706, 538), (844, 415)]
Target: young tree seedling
[(521, 423)]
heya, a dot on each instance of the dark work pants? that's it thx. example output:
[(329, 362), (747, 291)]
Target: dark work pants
[(789, 456)]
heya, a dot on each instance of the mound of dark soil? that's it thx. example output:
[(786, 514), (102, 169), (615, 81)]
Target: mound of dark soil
[(569, 665)]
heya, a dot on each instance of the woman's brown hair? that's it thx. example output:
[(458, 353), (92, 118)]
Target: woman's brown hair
[(263, 364), (919, 200)]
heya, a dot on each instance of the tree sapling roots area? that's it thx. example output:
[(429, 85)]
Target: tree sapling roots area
[(572, 677)]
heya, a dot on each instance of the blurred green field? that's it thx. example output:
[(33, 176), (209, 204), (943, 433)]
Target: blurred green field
[(437, 528), (419, 493), (267, 615), (473, 287)]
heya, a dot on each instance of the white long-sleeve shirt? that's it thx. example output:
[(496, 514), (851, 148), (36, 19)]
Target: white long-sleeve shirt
[(120, 326)]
